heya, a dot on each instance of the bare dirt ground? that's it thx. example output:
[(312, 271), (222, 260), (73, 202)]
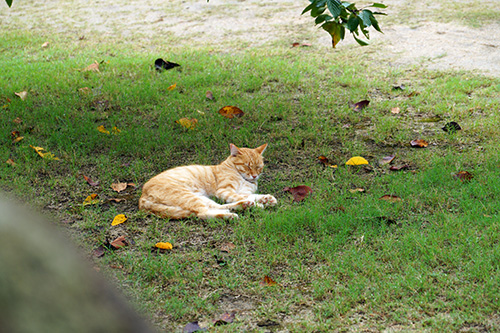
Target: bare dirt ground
[(424, 40)]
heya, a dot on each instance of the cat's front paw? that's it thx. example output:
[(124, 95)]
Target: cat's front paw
[(243, 204), (267, 200)]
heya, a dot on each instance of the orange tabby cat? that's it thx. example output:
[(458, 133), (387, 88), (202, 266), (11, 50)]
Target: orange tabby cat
[(184, 191)]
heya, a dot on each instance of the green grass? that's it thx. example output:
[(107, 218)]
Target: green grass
[(342, 260)]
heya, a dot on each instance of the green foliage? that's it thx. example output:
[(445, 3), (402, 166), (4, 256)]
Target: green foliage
[(9, 2), (344, 15)]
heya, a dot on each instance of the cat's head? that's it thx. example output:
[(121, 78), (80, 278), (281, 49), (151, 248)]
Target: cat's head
[(248, 162)]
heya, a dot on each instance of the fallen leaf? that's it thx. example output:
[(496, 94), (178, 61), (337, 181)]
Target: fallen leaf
[(299, 192), (47, 155), (10, 162), (115, 130), (91, 200), (391, 198), (90, 182), (387, 159), (464, 176), (22, 95), (226, 318), (356, 160), (164, 246), (357, 190), (161, 65), (227, 247), (119, 219), (187, 123), (172, 87), (99, 252), (209, 95), (326, 162), (267, 281), (231, 112), (46, 44), (400, 87), (295, 44), (92, 67), (451, 127), (192, 327), (18, 120), (267, 323), (102, 129), (360, 105), (119, 242), (395, 110), (419, 143), (413, 94), (116, 200), (16, 137), (399, 167), (84, 90), (118, 187)]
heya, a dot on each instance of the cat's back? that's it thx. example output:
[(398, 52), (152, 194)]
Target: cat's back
[(191, 176)]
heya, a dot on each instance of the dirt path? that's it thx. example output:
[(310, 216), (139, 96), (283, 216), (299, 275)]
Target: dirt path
[(240, 24)]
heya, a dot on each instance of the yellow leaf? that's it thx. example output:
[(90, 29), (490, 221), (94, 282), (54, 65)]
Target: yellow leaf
[(22, 95), (231, 112), (47, 155), (120, 218), (91, 200), (187, 123), (172, 87), (115, 130), (357, 160), (164, 245), (102, 129), (19, 138)]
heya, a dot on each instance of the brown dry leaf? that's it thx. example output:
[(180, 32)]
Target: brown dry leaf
[(387, 159), (419, 143), (119, 242), (18, 120), (227, 247), (209, 95), (295, 44), (118, 187), (84, 90), (22, 95), (10, 162), (99, 252), (399, 167), (90, 181), (268, 281), (360, 105), (299, 192), (464, 176), (395, 110), (164, 246), (231, 112), (92, 67), (172, 87), (357, 190), (46, 44), (226, 318), (391, 198), (187, 123), (192, 327), (326, 162)]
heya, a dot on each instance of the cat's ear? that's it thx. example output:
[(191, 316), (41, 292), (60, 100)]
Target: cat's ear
[(261, 149), (234, 150)]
